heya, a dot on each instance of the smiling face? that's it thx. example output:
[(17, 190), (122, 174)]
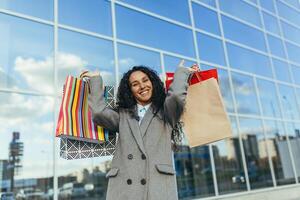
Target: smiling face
[(141, 87)]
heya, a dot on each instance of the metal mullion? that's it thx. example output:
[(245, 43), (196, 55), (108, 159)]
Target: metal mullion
[(289, 5), (55, 142), (204, 5), (115, 46), (281, 109), (233, 97)]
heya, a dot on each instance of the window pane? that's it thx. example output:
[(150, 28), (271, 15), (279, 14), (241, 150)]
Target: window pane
[(255, 152), (206, 19), (281, 70), (164, 7), (288, 13), (294, 3), (268, 5), (171, 63), (294, 130), (268, 98), (241, 10), (296, 74), (279, 153), (271, 23), (276, 46), (246, 100), (245, 34), (35, 8), (229, 164), (290, 32), (94, 16), (248, 60), (26, 50), (26, 142), (288, 101), (89, 53), (293, 52), (215, 46), (193, 172), (131, 56), (158, 34)]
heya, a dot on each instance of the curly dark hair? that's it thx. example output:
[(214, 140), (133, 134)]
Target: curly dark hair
[(126, 100)]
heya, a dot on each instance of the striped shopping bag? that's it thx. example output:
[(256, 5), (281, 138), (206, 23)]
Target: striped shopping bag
[(75, 118)]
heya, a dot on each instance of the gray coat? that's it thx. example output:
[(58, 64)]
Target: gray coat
[(142, 167)]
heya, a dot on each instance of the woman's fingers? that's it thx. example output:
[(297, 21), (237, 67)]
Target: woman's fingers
[(84, 74), (88, 74)]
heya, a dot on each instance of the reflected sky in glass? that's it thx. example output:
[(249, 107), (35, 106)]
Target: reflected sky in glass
[(89, 53), (206, 19), (294, 3), (210, 49), (153, 32), (281, 70), (163, 7), (132, 56), (248, 60), (276, 46), (171, 63), (245, 34), (94, 16), (288, 13), (293, 52), (268, 98), (32, 117), (246, 100), (26, 51), (290, 32), (268, 5), (36, 8), (296, 74), (242, 10), (209, 2), (271, 23), (288, 101)]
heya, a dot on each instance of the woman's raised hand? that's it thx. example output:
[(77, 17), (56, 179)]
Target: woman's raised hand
[(88, 74), (193, 68)]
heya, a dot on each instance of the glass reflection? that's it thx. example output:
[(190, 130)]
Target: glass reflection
[(163, 8), (209, 2), (293, 52), (246, 35), (171, 63), (294, 3), (279, 152), (94, 16), (288, 13), (229, 165), (268, 98), (296, 74), (215, 46), (89, 53), (241, 10), (288, 101), (270, 22), (35, 8), (256, 156), (276, 46), (193, 172), (131, 56), (293, 129), (26, 137), (281, 70), (290, 32), (158, 34), (268, 5), (246, 100), (248, 60), (211, 22), (26, 60)]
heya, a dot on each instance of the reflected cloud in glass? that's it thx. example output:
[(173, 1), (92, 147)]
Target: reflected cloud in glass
[(288, 101)]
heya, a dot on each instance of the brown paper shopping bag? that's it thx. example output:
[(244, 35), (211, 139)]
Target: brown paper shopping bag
[(205, 119)]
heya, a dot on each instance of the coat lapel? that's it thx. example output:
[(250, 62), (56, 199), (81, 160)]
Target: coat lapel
[(146, 121), (135, 130)]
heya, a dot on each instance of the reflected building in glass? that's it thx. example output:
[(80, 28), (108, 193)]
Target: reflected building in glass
[(254, 44)]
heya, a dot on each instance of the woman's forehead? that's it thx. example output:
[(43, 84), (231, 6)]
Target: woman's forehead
[(137, 75)]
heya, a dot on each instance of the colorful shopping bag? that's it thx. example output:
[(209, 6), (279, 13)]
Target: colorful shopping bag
[(195, 77), (75, 118)]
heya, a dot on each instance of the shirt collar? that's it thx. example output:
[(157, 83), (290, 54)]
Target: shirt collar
[(140, 107)]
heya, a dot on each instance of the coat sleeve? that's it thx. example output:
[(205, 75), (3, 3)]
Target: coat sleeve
[(102, 115), (175, 100)]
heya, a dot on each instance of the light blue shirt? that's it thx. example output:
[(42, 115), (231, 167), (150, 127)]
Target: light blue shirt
[(142, 111)]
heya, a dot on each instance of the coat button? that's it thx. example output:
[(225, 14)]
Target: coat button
[(129, 181), (143, 157), (143, 181), (130, 156)]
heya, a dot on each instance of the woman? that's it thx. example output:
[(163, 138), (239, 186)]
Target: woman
[(142, 167)]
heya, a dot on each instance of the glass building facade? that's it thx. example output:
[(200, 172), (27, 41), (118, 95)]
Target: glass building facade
[(254, 44)]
